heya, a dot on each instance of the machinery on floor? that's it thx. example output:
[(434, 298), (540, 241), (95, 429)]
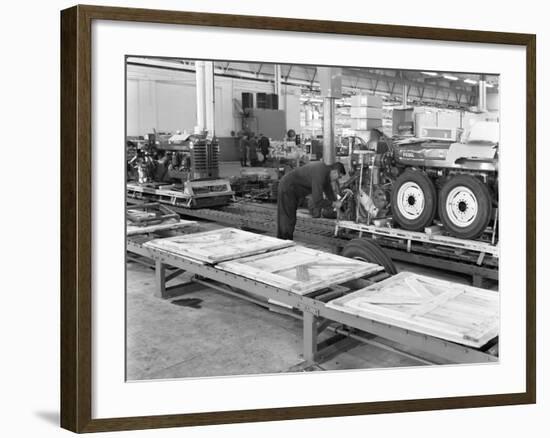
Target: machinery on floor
[(182, 169), (257, 183), (415, 181)]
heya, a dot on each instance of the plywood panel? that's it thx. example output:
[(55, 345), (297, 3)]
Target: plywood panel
[(451, 311), (219, 245), (299, 270)]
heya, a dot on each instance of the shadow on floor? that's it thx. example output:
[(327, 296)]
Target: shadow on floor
[(51, 417), (194, 303)]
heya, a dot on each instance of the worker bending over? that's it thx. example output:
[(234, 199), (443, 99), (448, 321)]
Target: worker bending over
[(313, 178)]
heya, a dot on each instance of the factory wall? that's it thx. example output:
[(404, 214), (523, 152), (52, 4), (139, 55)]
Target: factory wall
[(165, 100)]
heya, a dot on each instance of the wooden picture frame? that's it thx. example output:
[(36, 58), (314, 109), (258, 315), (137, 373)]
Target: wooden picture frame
[(76, 217)]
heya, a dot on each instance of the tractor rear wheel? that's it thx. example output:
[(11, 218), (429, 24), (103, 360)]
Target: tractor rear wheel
[(465, 206)]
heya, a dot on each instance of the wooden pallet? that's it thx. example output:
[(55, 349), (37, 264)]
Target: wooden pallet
[(219, 245), (133, 229), (298, 269), (463, 314), (217, 187), (151, 213)]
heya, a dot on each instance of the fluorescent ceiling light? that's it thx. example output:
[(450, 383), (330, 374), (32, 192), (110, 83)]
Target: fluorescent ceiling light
[(429, 73), (489, 85), (451, 78), (470, 81)]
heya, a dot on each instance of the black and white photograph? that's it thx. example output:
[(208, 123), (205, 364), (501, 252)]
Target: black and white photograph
[(288, 218), (275, 219)]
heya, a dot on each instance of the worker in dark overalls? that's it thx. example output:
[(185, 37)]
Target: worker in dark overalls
[(264, 147), (314, 178), (243, 149), (253, 150)]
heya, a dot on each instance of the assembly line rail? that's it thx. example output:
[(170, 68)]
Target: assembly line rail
[(478, 247), (259, 217)]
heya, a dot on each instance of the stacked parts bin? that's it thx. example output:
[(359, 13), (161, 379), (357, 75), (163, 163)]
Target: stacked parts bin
[(366, 114)]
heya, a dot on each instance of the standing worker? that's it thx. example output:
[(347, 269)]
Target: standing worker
[(252, 150), (243, 148), (264, 147), (314, 178)]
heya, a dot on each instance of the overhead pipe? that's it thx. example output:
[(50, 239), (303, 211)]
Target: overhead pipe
[(210, 95), (200, 77)]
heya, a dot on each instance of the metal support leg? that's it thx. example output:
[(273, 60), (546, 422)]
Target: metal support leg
[(310, 338), (174, 274), (160, 279), (477, 280)]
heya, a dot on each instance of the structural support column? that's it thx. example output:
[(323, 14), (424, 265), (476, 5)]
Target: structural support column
[(201, 97), (278, 85), (204, 76), (405, 95), (329, 146), (330, 80), (482, 98)]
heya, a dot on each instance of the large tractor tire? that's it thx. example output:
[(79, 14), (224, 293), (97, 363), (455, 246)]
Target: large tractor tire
[(465, 206), (369, 251), (413, 200)]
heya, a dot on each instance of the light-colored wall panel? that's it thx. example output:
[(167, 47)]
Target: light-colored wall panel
[(176, 106), (132, 109), (291, 105), (165, 100)]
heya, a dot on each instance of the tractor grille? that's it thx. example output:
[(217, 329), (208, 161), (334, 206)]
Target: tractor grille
[(204, 159)]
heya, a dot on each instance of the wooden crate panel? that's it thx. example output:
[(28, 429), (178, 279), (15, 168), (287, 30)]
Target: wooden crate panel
[(455, 312), (132, 229), (219, 245), (299, 270)]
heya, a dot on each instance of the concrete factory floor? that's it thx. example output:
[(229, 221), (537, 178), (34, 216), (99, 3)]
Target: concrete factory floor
[(207, 333), (230, 168)]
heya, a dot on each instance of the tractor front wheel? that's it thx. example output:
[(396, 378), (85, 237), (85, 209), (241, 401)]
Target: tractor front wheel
[(413, 200)]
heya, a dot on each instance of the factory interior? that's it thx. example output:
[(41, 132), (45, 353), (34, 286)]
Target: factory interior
[(299, 218)]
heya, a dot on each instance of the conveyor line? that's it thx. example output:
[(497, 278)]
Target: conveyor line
[(262, 217)]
